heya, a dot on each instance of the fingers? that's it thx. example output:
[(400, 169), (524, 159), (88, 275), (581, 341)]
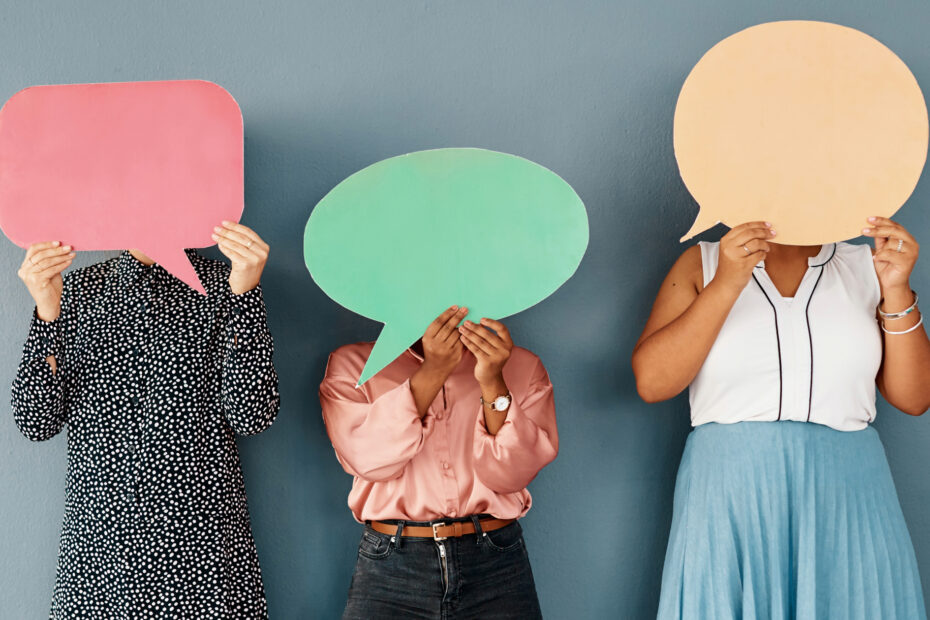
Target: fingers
[(38, 247), (433, 328), (475, 344), (247, 233), (756, 245), (55, 268), (42, 258), (447, 329), (747, 234), (891, 255), (245, 244), (234, 251), (488, 340), (498, 327), (888, 232)]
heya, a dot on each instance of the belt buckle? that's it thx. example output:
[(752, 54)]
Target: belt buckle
[(436, 535)]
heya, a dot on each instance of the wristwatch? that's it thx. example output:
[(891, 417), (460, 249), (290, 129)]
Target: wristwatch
[(501, 403)]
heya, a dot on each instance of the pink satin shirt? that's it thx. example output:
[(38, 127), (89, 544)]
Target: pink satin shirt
[(445, 464)]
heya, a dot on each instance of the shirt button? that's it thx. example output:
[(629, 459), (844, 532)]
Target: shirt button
[(445, 465), (130, 496), (237, 311), (453, 513), (44, 340), (134, 400), (131, 447), (439, 416), (136, 351)]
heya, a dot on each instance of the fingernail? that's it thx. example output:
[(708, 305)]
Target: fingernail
[(866, 231), (217, 229), (226, 222), (773, 232), (56, 243), (872, 218), (769, 224), (455, 307), (66, 248), (215, 237)]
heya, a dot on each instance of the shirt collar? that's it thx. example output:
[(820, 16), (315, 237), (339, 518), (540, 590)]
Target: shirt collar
[(129, 270)]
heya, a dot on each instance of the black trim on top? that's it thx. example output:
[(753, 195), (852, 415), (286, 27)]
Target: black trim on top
[(810, 337), (832, 254), (781, 377)]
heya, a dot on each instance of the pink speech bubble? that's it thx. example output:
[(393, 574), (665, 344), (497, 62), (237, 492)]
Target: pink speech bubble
[(147, 165)]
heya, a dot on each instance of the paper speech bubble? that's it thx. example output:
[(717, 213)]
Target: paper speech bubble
[(407, 237), (809, 125), (147, 165)]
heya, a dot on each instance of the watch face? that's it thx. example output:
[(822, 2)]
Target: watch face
[(501, 403)]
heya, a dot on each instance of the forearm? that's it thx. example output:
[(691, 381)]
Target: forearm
[(425, 385), (493, 419), (905, 373), (667, 361)]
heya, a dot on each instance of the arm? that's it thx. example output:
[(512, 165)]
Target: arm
[(904, 376), (39, 386), (524, 442), (373, 440), (249, 383), (685, 319)]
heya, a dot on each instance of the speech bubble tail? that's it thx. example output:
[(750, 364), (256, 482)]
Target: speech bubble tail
[(179, 265), (701, 223), (391, 343)]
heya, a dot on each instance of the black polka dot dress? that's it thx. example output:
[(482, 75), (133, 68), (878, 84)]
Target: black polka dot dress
[(154, 381)]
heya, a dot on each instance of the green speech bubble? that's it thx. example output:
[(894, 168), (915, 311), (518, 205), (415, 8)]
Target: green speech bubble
[(405, 238)]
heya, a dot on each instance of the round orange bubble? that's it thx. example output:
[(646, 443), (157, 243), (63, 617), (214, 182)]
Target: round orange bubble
[(808, 125)]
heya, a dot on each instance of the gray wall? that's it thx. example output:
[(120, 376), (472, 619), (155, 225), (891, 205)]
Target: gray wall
[(585, 88)]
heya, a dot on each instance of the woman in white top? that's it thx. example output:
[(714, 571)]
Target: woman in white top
[(784, 503)]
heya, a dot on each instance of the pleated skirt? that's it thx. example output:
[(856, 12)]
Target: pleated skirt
[(787, 520)]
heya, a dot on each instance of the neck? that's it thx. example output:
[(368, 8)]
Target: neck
[(789, 253), (142, 258)]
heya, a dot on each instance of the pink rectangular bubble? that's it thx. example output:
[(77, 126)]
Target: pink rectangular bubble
[(147, 165)]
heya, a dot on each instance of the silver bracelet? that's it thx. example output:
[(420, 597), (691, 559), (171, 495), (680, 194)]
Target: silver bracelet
[(906, 331), (893, 316)]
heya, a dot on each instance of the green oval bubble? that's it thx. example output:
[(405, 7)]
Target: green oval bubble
[(405, 238)]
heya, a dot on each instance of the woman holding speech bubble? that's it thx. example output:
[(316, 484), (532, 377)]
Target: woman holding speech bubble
[(442, 444), (153, 381), (784, 504)]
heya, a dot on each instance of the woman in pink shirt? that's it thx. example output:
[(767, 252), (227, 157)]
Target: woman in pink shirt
[(442, 444)]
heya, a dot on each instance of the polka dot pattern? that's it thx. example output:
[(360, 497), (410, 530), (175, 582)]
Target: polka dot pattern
[(154, 381)]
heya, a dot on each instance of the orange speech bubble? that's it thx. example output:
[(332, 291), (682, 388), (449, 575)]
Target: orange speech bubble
[(147, 165), (808, 125)]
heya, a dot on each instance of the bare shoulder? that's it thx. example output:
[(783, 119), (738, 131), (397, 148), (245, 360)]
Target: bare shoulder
[(688, 270)]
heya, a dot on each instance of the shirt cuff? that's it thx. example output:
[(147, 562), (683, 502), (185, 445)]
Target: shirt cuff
[(247, 317), (43, 340)]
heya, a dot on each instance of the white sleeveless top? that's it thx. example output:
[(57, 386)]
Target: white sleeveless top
[(810, 358)]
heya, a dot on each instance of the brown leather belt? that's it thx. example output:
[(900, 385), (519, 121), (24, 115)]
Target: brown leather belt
[(440, 530)]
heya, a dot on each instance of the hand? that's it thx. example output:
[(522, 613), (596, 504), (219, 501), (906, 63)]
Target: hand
[(41, 272), (892, 267), (442, 349), (492, 350), (247, 253), (741, 249)]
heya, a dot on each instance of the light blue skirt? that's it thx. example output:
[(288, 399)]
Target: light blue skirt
[(787, 520)]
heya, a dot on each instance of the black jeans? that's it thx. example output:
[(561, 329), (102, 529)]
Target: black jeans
[(483, 575)]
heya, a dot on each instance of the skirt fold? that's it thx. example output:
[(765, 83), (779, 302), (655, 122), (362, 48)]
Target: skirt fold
[(788, 520)]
